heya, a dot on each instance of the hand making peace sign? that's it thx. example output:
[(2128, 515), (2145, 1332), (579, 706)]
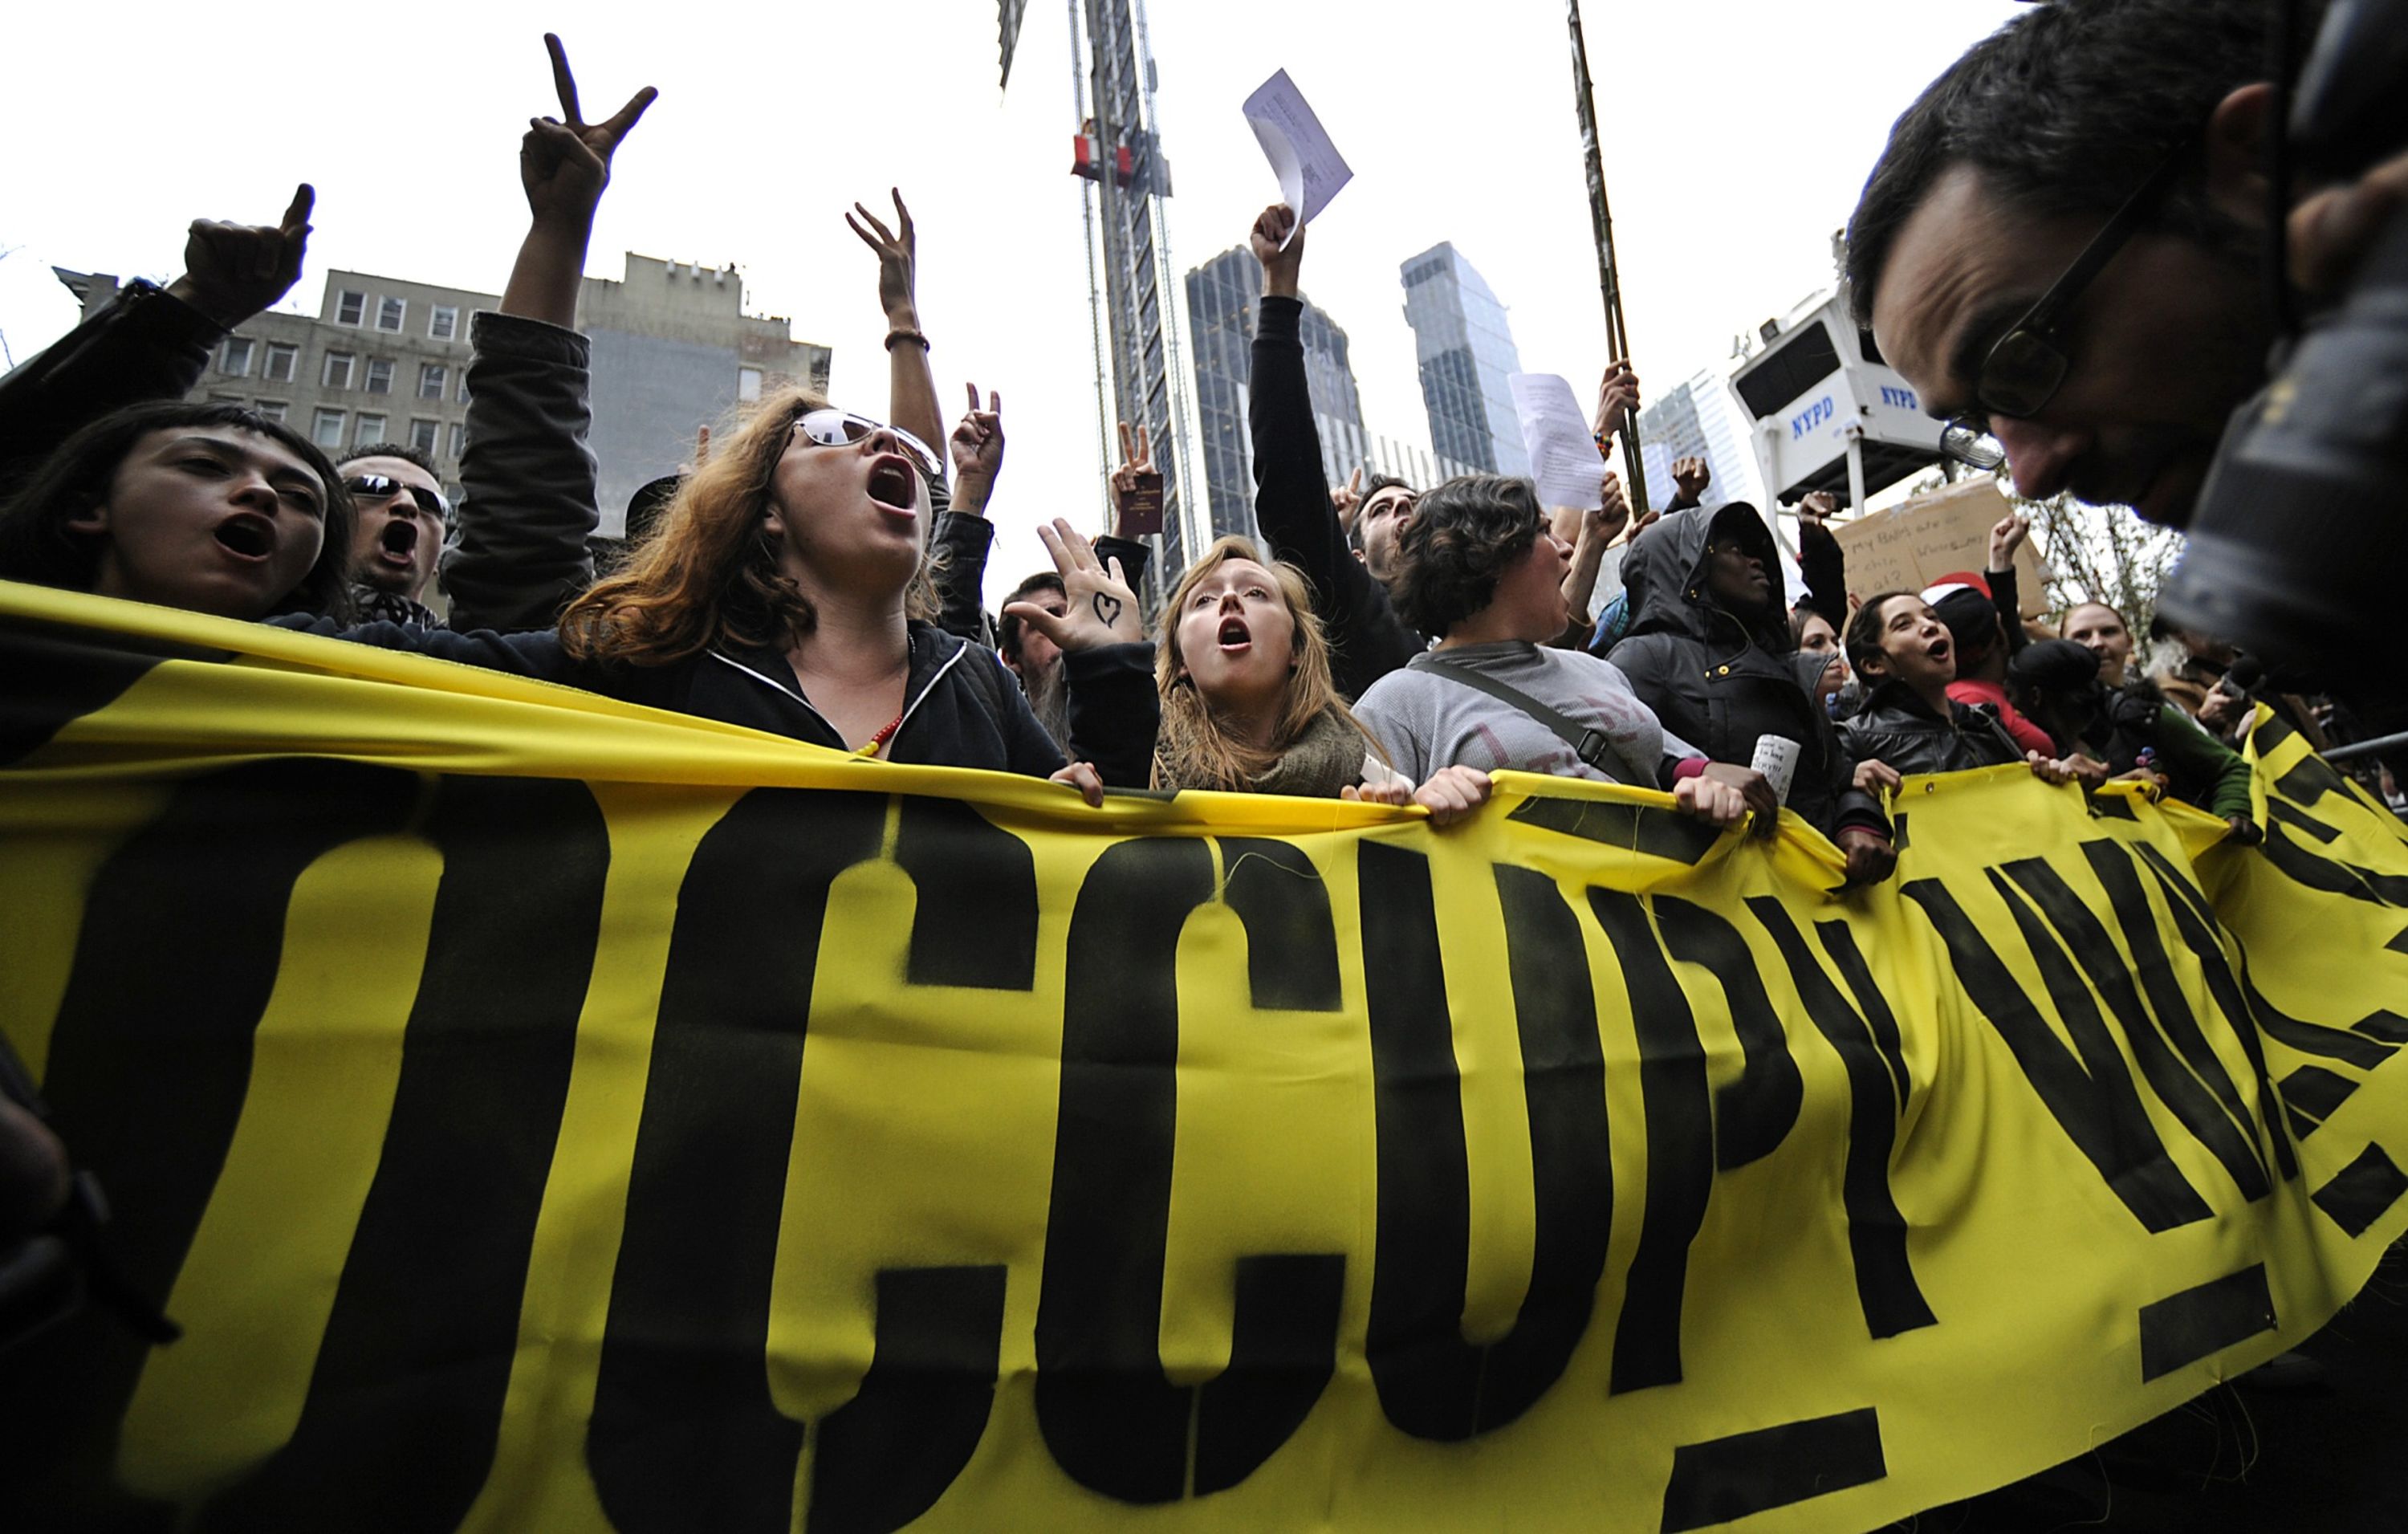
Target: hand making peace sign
[(564, 162)]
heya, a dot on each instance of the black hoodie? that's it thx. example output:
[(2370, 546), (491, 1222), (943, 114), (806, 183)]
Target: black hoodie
[(1719, 682)]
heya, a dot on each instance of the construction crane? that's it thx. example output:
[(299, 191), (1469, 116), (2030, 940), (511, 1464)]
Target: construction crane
[(1132, 299)]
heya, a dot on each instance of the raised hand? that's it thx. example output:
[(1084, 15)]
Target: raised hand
[(232, 271), (1818, 507), (1136, 477), (564, 162), (977, 446), (898, 257), (2006, 539), (1617, 395), (1101, 608), (1690, 477), (1347, 500), (1280, 268), (1604, 521)]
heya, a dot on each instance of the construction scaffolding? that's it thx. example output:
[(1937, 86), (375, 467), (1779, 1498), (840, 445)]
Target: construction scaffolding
[(1118, 157)]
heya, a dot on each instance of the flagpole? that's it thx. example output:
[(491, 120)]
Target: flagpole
[(1617, 334)]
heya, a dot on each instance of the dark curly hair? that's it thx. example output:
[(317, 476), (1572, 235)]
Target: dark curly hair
[(2066, 109), (37, 545), (1462, 537)]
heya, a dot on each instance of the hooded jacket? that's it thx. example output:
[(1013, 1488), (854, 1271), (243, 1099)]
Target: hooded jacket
[(1721, 682)]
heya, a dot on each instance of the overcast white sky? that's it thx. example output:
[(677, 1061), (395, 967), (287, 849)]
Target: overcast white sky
[(1737, 134)]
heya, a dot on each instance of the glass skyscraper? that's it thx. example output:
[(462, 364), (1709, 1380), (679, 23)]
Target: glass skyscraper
[(1466, 352), (1222, 297)]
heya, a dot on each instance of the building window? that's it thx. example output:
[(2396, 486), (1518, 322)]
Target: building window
[(389, 312), (272, 409), (349, 307), (424, 435), (443, 322), (459, 440), (326, 428), (748, 383), (369, 429), (338, 371), (432, 376), (283, 357), (379, 378), (218, 398), (236, 360)]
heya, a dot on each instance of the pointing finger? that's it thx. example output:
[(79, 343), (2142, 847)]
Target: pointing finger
[(562, 80), (296, 217), (973, 399)]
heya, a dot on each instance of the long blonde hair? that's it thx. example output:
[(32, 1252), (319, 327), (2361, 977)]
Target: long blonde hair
[(1193, 751), (708, 573)]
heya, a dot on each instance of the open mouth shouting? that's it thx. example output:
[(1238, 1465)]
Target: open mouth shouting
[(1939, 650), (248, 536), (1235, 639), (893, 485), (399, 544)]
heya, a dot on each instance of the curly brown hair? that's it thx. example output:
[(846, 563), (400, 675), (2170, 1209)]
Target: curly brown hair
[(1462, 537), (709, 574)]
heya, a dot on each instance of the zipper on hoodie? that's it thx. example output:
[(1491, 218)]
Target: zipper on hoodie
[(795, 694)]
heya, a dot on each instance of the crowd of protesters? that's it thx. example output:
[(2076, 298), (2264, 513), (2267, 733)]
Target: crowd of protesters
[(818, 573)]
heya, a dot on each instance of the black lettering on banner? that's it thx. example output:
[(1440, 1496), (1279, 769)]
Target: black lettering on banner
[(2185, 1328), (56, 678), (684, 1432), (2399, 944), (2301, 820), (2362, 1192), (888, 1454), (1726, 1479), (1633, 828), (1887, 1291), (149, 1060), (2302, 864), (1432, 1384), (975, 923), (2366, 1045), (1840, 941), (2314, 1094), (1277, 892), (1113, 1421), (2270, 734), (2203, 1097), (1680, 1148), (416, 1357), (1756, 1113), (2110, 806), (2092, 1097), (2309, 782)]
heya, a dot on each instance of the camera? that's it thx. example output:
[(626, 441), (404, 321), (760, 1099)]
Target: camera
[(2300, 548)]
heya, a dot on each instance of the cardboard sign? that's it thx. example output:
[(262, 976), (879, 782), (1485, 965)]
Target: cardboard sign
[(1909, 547)]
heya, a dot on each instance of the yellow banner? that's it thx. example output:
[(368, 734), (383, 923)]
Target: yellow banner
[(542, 1113)]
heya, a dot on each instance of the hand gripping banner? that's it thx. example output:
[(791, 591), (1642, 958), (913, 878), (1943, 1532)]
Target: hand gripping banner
[(542, 1113)]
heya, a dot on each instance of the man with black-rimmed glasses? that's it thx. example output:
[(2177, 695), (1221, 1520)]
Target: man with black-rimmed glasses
[(2062, 247)]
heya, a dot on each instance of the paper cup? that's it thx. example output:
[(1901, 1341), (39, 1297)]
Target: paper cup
[(1776, 757)]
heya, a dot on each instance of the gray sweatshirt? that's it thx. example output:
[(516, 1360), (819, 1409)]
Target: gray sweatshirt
[(1429, 721)]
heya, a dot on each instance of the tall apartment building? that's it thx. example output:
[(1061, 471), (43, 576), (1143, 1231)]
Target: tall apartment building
[(1466, 351), (386, 360), (1697, 419), (1222, 296)]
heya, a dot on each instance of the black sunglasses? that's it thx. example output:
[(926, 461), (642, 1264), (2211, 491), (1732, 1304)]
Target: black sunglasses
[(378, 488), (2024, 368)]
